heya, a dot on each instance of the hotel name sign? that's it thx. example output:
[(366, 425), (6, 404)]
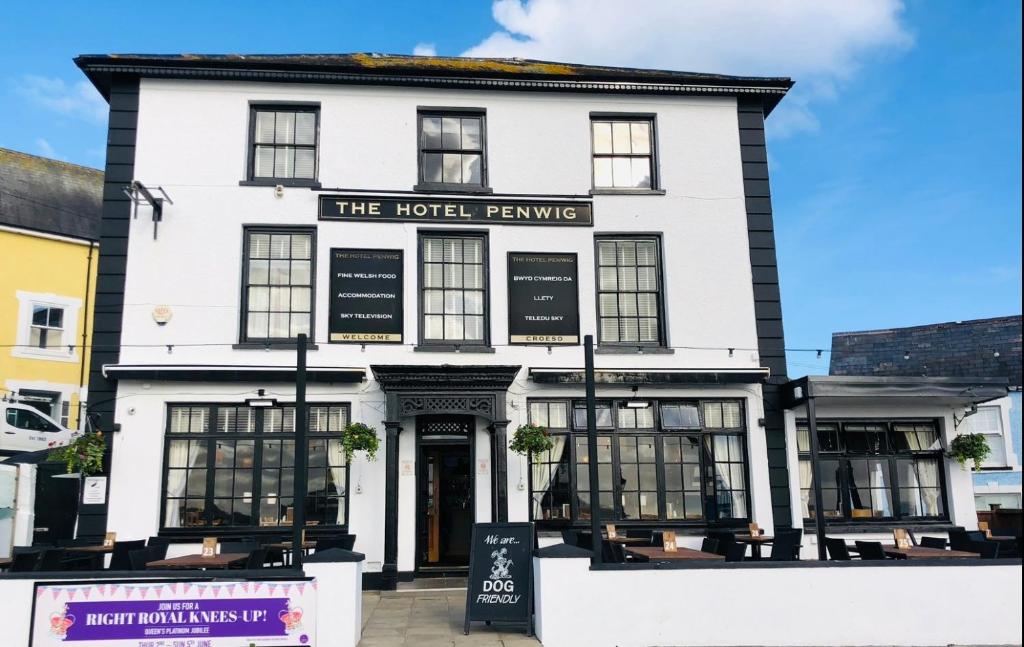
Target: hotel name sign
[(369, 208)]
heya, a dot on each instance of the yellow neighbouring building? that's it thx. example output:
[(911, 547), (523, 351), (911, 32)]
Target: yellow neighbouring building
[(49, 228)]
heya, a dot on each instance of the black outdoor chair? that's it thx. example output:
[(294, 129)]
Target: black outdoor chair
[(569, 537), (157, 552), (51, 559), (709, 545), (987, 549), (734, 552), (726, 540), (837, 550), (237, 546), (23, 561), (657, 538), (120, 559), (640, 534), (871, 550), (584, 540), (344, 542), (612, 553), (256, 558), (139, 558), (786, 546), (152, 542), (960, 540), (933, 542)]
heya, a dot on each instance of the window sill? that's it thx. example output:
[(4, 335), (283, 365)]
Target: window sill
[(451, 348), (427, 187), (271, 345), (634, 350), (627, 192), (309, 184), (880, 526)]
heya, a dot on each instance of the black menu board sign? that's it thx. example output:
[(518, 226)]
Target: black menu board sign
[(500, 587), (366, 296), (543, 299)]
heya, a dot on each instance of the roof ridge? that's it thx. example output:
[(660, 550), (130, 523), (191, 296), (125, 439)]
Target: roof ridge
[(51, 160)]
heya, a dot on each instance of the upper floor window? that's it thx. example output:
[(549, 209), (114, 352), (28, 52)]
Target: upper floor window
[(451, 150), (277, 294), (47, 327), (988, 421), (629, 292), (283, 142), (453, 281), (623, 150)]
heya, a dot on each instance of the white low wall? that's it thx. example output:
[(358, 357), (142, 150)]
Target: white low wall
[(825, 605), (338, 595)]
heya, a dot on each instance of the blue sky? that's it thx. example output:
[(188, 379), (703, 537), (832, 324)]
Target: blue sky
[(896, 161)]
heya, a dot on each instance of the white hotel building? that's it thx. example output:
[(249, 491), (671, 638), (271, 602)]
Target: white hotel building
[(446, 231)]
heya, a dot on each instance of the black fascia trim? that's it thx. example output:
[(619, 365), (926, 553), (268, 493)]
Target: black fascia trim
[(575, 377), (234, 374), (100, 74)]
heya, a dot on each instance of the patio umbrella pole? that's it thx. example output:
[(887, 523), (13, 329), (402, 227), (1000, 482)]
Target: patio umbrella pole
[(301, 450), (595, 503)]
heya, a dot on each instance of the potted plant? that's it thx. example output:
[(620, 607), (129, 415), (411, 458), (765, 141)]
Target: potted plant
[(969, 447), (84, 455), (530, 440), (357, 437)]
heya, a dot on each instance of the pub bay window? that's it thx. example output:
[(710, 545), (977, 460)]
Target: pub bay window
[(233, 466), (453, 282), (451, 150), (623, 153), (658, 461), (283, 143), (874, 470), (629, 292), (277, 292)]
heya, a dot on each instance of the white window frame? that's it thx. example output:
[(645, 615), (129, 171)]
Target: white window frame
[(23, 343), (997, 438)]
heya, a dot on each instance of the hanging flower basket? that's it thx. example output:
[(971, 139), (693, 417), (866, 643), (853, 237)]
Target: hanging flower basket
[(357, 437), (84, 454), (969, 447), (530, 440)]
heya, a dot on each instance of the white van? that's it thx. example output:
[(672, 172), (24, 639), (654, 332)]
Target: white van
[(25, 429)]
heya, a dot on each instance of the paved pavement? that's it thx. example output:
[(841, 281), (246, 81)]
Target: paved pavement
[(429, 619)]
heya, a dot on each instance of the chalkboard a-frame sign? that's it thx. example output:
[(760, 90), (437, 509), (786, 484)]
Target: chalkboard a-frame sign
[(500, 587)]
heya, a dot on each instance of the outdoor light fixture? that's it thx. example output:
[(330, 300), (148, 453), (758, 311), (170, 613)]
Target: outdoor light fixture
[(261, 402), (635, 403), (906, 354)]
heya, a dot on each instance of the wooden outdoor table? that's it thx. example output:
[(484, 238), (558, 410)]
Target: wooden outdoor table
[(655, 553), (223, 560), (5, 563), (755, 541), (89, 549), (286, 549), (629, 540), (920, 552)]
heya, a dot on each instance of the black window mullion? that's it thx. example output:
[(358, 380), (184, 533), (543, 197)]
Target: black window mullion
[(257, 466), (211, 463), (659, 466)]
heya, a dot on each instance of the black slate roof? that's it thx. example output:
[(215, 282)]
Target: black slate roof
[(444, 71), (50, 196), (978, 348)]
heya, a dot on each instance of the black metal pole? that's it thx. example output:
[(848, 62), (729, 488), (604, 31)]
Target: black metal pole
[(819, 507), (595, 500), (301, 451)]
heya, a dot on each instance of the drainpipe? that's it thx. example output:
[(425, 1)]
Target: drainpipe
[(85, 331)]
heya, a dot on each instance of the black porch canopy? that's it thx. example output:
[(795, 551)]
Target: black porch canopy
[(415, 390), (813, 390)]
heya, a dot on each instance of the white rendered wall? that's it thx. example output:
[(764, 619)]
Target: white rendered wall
[(832, 605)]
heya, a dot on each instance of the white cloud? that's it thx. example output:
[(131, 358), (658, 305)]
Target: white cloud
[(77, 100), (46, 149), (424, 49), (819, 44)]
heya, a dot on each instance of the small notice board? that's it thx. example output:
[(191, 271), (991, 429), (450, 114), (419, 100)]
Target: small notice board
[(500, 587)]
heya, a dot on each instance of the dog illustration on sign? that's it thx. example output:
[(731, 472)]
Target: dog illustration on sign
[(501, 565)]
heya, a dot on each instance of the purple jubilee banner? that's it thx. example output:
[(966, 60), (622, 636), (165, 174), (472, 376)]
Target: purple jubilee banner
[(130, 620)]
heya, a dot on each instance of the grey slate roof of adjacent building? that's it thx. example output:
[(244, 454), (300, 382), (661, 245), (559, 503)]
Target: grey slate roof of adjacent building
[(433, 71), (978, 348), (50, 196)]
